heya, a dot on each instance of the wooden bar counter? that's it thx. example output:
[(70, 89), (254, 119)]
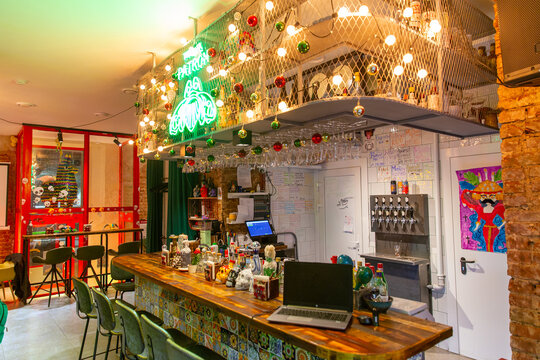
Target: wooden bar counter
[(233, 323)]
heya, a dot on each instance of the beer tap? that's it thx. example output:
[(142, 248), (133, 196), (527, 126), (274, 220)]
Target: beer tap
[(376, 203), (387, 219), (412, 221), (391, 205), (380, 218), (398, 206), (383, 203), (373, 218), (395, 220), (407, 205), (403, 221)]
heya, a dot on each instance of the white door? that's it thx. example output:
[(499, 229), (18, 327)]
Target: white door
[(482, 293), (342, 212)]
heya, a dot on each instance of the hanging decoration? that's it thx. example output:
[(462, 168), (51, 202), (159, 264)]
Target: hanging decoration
[(211, 158), (280, 81), (298, 143), (157, 156), (211, 52), (238, 87), (242, 153), (242, 133), (142, 160), (252, 20), (359, 110), (189, 149), (214, 92), (325, 137), (137, 104), (275, 124), (278, 146), (280, 26), (257, 150), (145, 111), (210, 143), (372, 69), (168, 106), (191, 162), (255, 97), (316, 138), (172, 152), (303, 47)]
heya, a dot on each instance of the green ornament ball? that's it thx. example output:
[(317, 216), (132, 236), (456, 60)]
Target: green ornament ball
[(242, 133), (255, 97), (363, 276), (210, 142), (142, 160), (280, 26), (257, 150), (325, 137), (303, 47), (211, 158), (275, 124), (137, 104), (297, 143), (214, 92), (172, 152), (165, 141), (154, 131), (175, 76)]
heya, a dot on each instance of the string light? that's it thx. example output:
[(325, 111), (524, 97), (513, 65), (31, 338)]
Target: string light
[(390, 40), (232, 28), (164, 97), (398, 70), (219, 103), (282, 106), (269, 6), (422, 73), (160, 148), (291, 30), (242, 56), (435, 26), (169, 116), (163, 88), (408, 12), (223, 72), (142, 87), (153, 81), (364, 11), (407, 58), (250, 114), (337, 79), (343, 12), (168, 67), (146, 119), (183, 41), (281, 52), (210, 69), (171, 84), (146, 151), (142, 123), (152, 123)]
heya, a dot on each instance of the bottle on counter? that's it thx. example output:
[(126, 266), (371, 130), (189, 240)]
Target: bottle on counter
[(400, 187), (393, 187), (412, 99), (164, 255), (405, 187), (29, 228), (381, 286), (204, 190), (380, 267)]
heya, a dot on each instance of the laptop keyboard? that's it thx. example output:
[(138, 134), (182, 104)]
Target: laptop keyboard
[(314, 314)]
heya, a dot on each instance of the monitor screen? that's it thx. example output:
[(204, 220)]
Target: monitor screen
[(319, 285), (259, 228)]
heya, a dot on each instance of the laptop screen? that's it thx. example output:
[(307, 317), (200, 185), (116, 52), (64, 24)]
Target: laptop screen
[(259, 228), (318, 285)]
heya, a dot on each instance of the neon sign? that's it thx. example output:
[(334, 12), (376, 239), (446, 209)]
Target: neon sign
[(196, 107), (195, 58)]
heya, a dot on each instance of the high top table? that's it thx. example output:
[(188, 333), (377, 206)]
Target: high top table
[(233, 323), (69, 236)]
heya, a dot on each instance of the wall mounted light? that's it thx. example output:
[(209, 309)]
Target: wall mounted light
[(116, 141)]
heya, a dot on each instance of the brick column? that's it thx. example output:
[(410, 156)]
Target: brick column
[(520, 148)]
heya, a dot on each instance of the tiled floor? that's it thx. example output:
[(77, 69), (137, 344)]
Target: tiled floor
[(38, 332)]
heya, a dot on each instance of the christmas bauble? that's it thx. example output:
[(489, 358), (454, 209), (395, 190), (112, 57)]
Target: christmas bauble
[(211, 158), (297, 143), (154, 131), (237, 16), (191, 162), (238, 88), (303, 47), (325, 137), (344, 259), (211, 52), (275, 124), (214, 92), (175, 76), (168, 106), (257, 150), (230, 60), (172, 152), (157, 156), (165, 141), (280, 81), (145, 111), (210, 143), (142, 160), (278, 146), (372, 69), (316, 138), (137, 104), (363, 275), (252, 20), (189, 149), (242, 133), (255, 97), (242, 153), (280, 26), (359, 111)]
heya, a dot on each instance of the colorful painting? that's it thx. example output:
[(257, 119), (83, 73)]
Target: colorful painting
[(482, 211)]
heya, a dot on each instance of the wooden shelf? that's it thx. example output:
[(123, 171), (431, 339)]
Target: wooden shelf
[(203, 198), (239, 195)]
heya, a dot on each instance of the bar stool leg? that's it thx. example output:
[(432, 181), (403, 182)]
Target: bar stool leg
[(57, 285), (84, 337), (96, 342), (53, 276), (4, 289), (11, 288), (108, 347), (40, 285)]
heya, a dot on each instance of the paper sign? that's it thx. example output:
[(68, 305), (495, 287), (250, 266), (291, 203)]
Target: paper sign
[(413, 137), (384, 173), (405, 156), (390, 157), (348, 224), (382, 142), (376, 158), (415, 172), (428, 171), (422, 153), (243, 175), (398, 140), (399, 172)]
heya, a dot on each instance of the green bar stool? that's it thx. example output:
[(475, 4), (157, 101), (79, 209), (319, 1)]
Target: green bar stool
[(175, 352), (89, 253), (53, 257), (126, 281), (85, 306), (133, 341), (130, 247), (108, 324)]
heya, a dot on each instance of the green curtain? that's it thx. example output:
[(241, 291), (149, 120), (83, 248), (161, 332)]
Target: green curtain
[(154, 178), (180, 188)]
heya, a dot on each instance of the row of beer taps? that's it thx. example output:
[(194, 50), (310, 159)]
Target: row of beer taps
[(392, 215)]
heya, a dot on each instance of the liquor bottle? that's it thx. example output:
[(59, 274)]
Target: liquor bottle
[(423, 101), (416, 17), (380, 267), (293, 98), (164, 255), (412, 99), (381, 286), (29, 228)]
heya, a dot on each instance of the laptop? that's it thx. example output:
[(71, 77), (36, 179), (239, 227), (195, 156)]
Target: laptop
[(316, 294), (261, 231)]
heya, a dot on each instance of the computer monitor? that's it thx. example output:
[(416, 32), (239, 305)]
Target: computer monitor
[(259, 228)]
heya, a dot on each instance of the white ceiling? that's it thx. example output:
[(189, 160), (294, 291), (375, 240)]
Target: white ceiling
[(78, 56)]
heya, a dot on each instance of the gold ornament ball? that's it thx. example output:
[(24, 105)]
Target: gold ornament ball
[(325, 137), (242, 133), (359, 111), (372, 69)]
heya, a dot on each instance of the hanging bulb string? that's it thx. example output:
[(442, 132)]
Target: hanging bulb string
[(10, 122), (104, 119)]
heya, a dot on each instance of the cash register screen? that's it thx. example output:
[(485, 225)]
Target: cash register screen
[(259, 228)]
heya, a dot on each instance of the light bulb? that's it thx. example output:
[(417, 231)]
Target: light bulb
[(163, 88), (146, 151), (343, 12), (407, 58), (142, 87), (242, 56), (160, 148), (291, 30), (282, 52), (398, 70), (142, 123), (269, 6), (183, 41), (363, 11), (153, 81), (152, 123), (232, 27), (390, 40), (223, 72), (169, 116), (435, 26), (219, 103), (164, 97), (168, 67), (408, 12), (422, 73), (171, 85), (337, 79), (210, 69), (250, 114), (282, 106), (131, 142), (146, 119)]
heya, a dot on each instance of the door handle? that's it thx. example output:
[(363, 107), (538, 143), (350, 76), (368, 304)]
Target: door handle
[(464, 263)]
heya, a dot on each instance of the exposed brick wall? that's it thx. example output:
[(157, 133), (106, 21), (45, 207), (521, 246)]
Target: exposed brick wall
[(7, 237), (520, 148), (143, 199)]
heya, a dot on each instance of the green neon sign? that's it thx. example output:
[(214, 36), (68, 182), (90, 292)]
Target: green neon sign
[(196, 107), (195, 58)]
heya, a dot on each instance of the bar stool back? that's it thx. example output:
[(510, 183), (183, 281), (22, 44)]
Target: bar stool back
[(89, 253), (53, 257), (107, 321), (176, 352), (85, 306), (133, 340), (7, 274)]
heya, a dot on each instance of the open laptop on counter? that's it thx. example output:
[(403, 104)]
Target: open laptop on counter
[(316, 294), (261, 231)]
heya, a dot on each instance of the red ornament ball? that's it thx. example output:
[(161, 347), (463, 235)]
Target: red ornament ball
[(191, 162), (242, 153), (238, 88), (252, 20), (316, 138), (211, 52), (145, 111), (278, 146), (280, 81), (168, 106), (189, 149)]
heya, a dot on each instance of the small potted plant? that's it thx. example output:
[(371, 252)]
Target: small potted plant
[(195, 258)]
